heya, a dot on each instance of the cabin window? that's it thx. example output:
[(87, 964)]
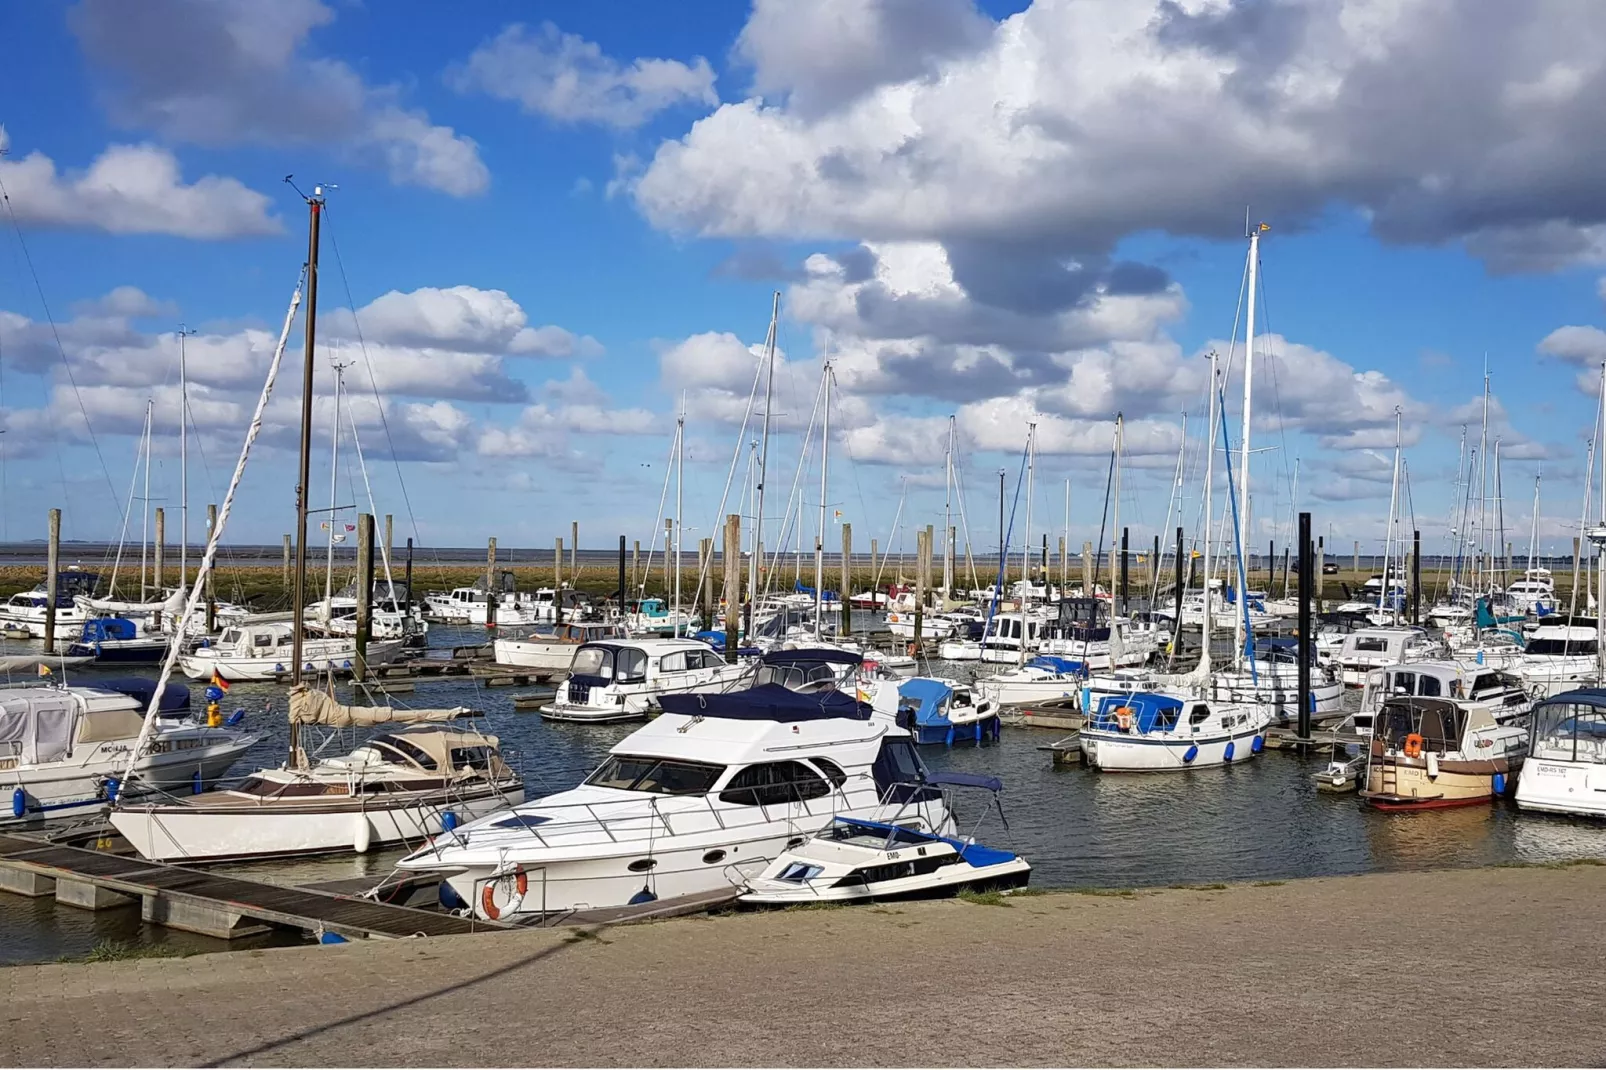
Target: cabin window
[(1404, 683), (1559, 647), (1487, 681), (1200, 714), (659, 776), (707, 658), (1429, 686), (773, 784), (230, 637), (262, 639), (674, 662), (472, 757), (831, 770), (412, 750), (631, 665), (1372, 644), (594, 661), (382, 746)]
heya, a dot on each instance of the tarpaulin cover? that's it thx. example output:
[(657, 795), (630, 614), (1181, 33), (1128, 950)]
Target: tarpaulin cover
[(768, 702)]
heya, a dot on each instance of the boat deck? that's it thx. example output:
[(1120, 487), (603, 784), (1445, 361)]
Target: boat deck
[(204, 902)]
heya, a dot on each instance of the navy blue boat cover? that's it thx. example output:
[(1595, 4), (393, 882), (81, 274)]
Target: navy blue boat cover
[(768, 702), (966, 780), (812, 656)]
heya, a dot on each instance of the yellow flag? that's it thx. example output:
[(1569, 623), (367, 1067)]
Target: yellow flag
[(1265, 226), (44, 670)]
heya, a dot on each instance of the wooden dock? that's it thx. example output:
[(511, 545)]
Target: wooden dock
[(207, 903)]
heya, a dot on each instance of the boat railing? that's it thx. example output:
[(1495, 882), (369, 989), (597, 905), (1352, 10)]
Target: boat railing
[(656, 820)]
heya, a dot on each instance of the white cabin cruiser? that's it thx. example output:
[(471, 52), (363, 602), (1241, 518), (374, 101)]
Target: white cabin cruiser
[(700, 799), (623, 679), (1271, 678), (1535, 593), (28, 609), (65, 749), (1500, 692), (1045, 678), (553, 651), (1560, 656), (1372, 648), (262, 651), (1150, 732), (398, 786), (1566, 768)]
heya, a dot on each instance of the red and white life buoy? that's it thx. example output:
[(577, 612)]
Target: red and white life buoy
[(488, 904)]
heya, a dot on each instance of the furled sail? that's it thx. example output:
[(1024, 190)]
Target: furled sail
[(309, 706)]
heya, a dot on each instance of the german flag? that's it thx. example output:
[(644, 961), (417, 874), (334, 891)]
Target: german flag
[(218, 681)]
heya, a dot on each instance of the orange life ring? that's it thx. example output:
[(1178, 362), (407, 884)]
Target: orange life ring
[(1413, 745), (488, 893), (1123, 718)]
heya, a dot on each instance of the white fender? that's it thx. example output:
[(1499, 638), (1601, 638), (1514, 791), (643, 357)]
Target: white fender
[(362, 835)]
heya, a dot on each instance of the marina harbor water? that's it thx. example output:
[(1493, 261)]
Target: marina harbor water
[(1254, 821)]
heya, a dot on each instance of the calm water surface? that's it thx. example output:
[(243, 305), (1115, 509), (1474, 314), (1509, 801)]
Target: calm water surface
[(1261, 820)]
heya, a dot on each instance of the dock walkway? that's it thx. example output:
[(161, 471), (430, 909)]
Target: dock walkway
[(1307, 973), (208, 903)]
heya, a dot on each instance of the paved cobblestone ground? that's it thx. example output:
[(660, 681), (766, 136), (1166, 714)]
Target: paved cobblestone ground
[(1471, 967)]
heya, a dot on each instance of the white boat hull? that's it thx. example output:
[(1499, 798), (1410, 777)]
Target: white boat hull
[(183, 833), (1120, 752), (1562, 787), (79, 783), (318, 656)]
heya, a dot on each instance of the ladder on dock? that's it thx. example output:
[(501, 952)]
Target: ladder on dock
[(211, 904)]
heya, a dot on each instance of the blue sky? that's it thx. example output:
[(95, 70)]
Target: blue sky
[(558, 220)]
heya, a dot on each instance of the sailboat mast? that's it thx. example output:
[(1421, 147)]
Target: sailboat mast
[(1209, 489), (819, 541), (763, 456), (1026, 540), (1249, 393), (334, 475), (680, 506), (1483, 493), (183, 467), (145, 510), (947, 518), (1115, 517), (303, 476), (1533, 536), (1387, 589)]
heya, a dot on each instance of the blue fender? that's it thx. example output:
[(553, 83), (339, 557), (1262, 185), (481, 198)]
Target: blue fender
[(19, 802), (1500, 783), (1227, 756), (1258, 745), (449, 898), (195, 782), (449, 820), (643, 896), (1191, 753)]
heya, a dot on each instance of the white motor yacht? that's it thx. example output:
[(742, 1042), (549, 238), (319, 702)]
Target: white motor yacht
[(28, 610), (397, 787), (553, 651), (1150, 732), (1502, 693), (1372, 648), (1271, 678), (1045, 678), (624, 679), (700, 799), (1560, 656), (262, 651), (1566, 768), (1535, 593), (65, 750)]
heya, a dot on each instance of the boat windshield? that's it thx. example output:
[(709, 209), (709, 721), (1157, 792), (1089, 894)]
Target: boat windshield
[(658, 776), (1569, 732), (626, 664)]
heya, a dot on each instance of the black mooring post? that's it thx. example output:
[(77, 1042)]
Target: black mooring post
[(1271, 562), (1125, 609), (1416, 577), (621, 576), (1307, 573), (1181, 582)]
